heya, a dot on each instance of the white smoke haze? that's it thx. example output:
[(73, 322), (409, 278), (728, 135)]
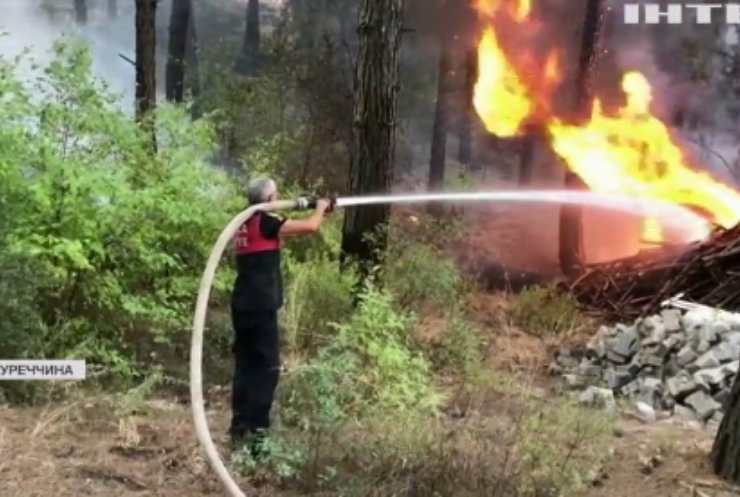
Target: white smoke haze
[(28, 30)]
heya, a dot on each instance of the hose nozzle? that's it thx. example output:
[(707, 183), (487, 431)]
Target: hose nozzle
[(305, 202)]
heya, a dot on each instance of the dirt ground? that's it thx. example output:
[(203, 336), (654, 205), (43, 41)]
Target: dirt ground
[(85, 448)]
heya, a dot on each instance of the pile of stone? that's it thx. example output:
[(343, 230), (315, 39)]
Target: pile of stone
[(676, 363)]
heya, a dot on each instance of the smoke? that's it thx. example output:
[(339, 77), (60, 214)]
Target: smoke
[(30, 28)]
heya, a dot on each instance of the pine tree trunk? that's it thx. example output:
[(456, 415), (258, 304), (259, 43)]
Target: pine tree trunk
[(530, 145), (725, 454), (470, 74), (571, 229), (438, 155), (191, 63), (112, 9), (146, 66), (375, 119), (177, 45), (81, 12), (249, 58)]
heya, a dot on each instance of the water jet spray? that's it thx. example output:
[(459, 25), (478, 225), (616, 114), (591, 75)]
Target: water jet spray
[(679, 218)]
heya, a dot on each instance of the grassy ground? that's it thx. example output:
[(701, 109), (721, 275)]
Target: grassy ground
[(503, 429), (506, 434)]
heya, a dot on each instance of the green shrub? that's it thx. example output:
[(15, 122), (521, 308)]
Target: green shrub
[(370, 364), (121, 234), (459, 349), (416, 269), (543, 311)]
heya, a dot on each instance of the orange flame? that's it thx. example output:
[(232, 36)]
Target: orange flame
[(627, 152)]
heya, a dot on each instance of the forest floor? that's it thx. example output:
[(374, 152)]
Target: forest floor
[(89, 447), (113, 447)]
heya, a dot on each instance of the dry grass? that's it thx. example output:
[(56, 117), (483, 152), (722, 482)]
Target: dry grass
[(500, 436)]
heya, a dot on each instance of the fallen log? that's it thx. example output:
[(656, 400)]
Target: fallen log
[(706, 272)]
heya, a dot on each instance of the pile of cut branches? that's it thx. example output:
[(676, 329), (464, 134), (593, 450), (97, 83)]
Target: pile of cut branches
[(706, 273)]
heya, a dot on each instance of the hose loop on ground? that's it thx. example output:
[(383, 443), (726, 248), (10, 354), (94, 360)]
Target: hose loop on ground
[(196, 346)]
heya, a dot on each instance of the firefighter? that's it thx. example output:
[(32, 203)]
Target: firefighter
[(256, 298)]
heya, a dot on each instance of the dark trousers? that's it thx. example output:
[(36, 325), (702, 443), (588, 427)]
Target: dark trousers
[(256, 372)]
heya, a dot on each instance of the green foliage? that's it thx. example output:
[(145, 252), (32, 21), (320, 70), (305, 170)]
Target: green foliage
[(416, 270), (370, 364), (543, 311), (117, 231), (101, 249), (459, 348)]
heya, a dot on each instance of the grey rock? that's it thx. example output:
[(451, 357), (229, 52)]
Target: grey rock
[(707, 360), (631, 389), (726, 352), (597, 345), (711, 377), (684, 412), (617, 379), (645, 413), (566, 360), (720, 328), (671, 368), (633, 368), (573, 381), (588, 368), (732, 320), (681, 386), (671, 320), (653, 355), (703, 345), (652, 329), (686, 356), (627, 345), (599, 397), (712, 426), (709, 335), (733, 338), (703, 405), (731, 368), (694, 321), (651, 392), (722, 397), (674, 342)]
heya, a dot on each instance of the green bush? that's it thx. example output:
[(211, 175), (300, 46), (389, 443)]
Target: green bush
[(416, 269), (121, 234), (370, 364), (543, 311)]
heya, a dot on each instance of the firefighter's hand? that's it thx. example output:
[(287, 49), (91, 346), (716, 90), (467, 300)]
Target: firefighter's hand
[(323, 204)]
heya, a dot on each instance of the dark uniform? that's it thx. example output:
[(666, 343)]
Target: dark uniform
[(256, 298)]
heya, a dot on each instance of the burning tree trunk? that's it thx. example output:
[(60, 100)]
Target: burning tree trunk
[(146, 66), (247, 64), (571, 229), (530, 145), (81, 12), (438, 155), (375, 113), (180, 19), (112, 9)]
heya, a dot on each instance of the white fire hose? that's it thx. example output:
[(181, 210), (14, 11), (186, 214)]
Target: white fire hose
[(196, 348)]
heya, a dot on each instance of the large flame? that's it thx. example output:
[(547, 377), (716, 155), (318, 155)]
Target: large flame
[(628, 152)]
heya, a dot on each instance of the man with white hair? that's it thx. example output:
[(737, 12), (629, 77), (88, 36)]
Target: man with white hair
[(256, 298)]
